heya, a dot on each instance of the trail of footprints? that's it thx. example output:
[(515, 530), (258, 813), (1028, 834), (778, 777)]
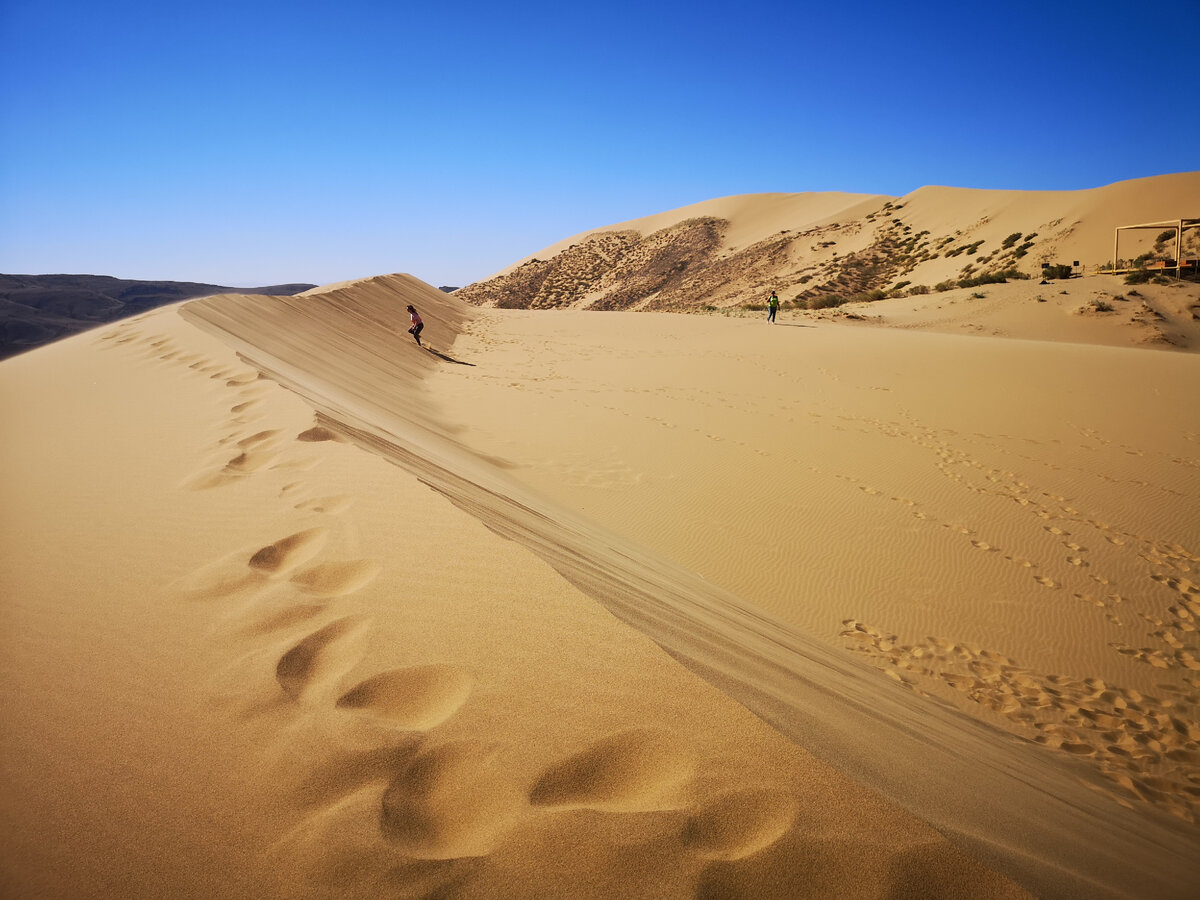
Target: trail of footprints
[(1146, 747), (424, 811)]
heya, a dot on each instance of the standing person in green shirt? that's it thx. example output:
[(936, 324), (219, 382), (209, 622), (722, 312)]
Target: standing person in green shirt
[(772, 306)]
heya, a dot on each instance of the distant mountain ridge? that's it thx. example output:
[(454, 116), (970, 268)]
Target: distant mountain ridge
[(39, 309)]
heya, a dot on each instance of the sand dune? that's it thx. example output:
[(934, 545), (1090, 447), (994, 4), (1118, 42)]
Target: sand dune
[(300, 609), (820, 248)]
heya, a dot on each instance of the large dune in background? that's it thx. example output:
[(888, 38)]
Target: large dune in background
[(732, 251), (297, 608)]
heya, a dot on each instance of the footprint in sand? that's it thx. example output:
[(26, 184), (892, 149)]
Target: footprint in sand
[(289, 617), (332, 505), (250, 461), (1046, 582), (738, 824), (416, 698), (631, 771), (290, 552), (316, 658), (319, 433), (451, 801), (337, 579), (259, 439)]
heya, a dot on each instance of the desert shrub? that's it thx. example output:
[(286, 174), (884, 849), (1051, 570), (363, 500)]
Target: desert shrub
[(754, 307), (1102, 306), (978, 295), (902, 284), (945, 286), (987, 278), (1056, 272), (1168, 235), (918, 289), (1141, 276), (868, 297), (825, 301), (1161, 279), (1010, 240)]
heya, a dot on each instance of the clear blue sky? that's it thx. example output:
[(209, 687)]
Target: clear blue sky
[(248, 143)]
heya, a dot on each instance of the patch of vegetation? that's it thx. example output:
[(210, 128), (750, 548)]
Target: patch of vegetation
[(987, 278), (918, 289), (968, 249), (978, 295), (1010, 240), (1168, 235), (825, 301), (1141, 276), (868, 296), (1056, 272), (943, 286), (1102, 306)]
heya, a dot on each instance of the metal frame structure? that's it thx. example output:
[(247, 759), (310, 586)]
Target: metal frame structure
[(1180, 225)]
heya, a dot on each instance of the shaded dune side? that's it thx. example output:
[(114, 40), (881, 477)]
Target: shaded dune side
[(1025, 813)]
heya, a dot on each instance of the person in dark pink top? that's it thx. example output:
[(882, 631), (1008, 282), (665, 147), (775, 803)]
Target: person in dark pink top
[(417, 324)]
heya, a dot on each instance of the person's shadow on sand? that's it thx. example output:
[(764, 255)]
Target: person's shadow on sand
[(450, 359)]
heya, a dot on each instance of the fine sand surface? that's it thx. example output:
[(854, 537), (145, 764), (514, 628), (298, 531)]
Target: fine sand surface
[(295, 608)]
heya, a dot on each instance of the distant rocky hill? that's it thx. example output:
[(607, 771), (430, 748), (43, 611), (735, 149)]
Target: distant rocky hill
[(825, 249), (38, 309)]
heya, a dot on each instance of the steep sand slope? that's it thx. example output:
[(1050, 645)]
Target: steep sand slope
[(752, 217), (1049, 818), (244, 658), (732, 251)]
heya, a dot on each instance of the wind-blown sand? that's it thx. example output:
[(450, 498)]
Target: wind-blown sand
[(594, 605)]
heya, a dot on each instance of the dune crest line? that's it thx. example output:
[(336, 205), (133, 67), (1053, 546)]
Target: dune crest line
[(340, 350)]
